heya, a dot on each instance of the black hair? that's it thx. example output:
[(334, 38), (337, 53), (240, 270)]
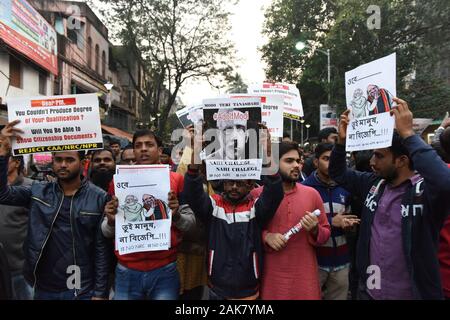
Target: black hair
[(444, 139), (146, 132), (104, 149), (287, 146), (323, 147), (21, 163), (362, 160), (128, 147), (81, 154), (114, 141), (167, 151), (325, 132), (398, 149)]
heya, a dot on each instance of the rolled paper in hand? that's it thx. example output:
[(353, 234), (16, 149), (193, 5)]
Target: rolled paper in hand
[(295, 229)]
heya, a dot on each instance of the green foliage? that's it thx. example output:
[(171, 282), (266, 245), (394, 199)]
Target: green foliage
[(418, 33), (236, 84), (175, 40)]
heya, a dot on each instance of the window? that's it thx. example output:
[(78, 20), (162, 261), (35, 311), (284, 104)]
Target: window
[(89, 52), (103, 64), (72, 35), (42, 83), (129, 98), (97, 58), (15, 72)]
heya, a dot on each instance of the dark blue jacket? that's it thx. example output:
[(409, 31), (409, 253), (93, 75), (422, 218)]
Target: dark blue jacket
[(91, 250), (234, 234), (424, 208), (334, 253)]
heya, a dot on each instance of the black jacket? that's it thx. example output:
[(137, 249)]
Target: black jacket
[(234, 234), (424, 208), (91, 250)]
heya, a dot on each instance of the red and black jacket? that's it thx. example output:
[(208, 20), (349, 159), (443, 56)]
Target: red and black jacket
[(234, 234)]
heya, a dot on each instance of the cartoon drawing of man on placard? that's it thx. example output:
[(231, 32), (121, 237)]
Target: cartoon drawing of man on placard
[(380, 99), (359, 104), (133, 211), (154, 209)]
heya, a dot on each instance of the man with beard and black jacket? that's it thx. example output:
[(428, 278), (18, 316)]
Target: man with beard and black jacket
[(66, 255), (103, 167), (404, 209)]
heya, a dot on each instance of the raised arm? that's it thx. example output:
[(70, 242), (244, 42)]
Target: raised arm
[(354, 181), (195, 196), (425, 159), (17, 195)]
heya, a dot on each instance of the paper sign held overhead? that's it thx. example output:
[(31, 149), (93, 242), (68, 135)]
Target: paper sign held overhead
[(370, 90), (56, 123)]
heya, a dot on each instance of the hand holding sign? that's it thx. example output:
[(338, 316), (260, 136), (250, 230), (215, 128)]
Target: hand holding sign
[(111, 210), (265, 139), (8, 131), (174, 205), (403, 119), (446, 122), (343, 124)]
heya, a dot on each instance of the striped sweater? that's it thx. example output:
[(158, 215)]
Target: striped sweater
[(334, 254)]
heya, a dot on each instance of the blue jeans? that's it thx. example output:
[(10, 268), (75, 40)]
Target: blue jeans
[(159, 284), (21, 290), (63, 295)]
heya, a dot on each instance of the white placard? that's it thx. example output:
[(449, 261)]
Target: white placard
[(372, 132), (233, 128), (271, 112), (234, 169), (143, 218), (370, 89), (190, 115), (293, 107), (56, 123), (328, 116)]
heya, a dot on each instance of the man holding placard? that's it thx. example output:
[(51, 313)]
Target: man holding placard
[(234, 220), (155, 271), (402, 214), (66, 255)]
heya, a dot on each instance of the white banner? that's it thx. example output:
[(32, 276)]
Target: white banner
[(293, 108), (372, 132), (328, 116), (190, 115), (143, 218), (56, 123), (271, 112), (370, 90), (234, 169)]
